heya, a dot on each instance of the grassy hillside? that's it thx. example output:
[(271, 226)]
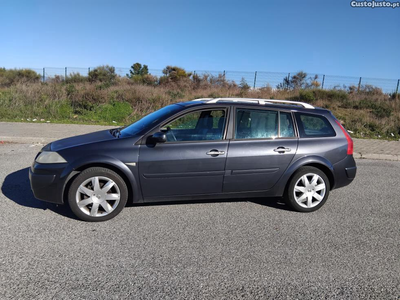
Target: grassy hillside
[(366, 113)]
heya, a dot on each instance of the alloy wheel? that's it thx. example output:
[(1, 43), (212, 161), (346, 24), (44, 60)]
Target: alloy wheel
[(98, 196), (309, 190)]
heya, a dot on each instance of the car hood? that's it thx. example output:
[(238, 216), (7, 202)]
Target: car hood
[(94, 137)]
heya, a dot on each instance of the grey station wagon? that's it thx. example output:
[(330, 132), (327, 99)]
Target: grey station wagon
[(205, 148)]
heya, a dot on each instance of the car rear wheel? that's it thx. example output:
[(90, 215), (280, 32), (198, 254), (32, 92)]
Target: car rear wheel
[(308, 189), (97, 194)]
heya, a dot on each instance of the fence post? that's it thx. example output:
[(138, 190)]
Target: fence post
[(288, 79), (88, 71), (397, 88), (359, 85), (224, 74), (255, 80), (323, 81), (65, 77), (44, 75)]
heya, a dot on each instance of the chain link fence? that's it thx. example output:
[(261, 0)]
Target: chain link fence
[(257, 79)]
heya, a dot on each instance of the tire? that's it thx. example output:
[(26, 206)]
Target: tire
[(308, 189), (97, 194)]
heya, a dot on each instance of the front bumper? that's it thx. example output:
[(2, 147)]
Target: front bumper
[(47, 182)]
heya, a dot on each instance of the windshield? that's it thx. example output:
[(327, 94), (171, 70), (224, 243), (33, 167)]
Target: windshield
[(149, 121)]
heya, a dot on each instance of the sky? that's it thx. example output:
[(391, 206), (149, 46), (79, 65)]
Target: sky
[(321, 36)]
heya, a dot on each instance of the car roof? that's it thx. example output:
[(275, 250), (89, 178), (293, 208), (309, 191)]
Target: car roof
[(273, 103)]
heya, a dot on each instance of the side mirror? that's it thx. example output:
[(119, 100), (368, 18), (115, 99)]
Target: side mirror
[(159, 137)]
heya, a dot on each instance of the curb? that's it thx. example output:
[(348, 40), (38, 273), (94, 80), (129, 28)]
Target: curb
[(375, 156), (25, 140)]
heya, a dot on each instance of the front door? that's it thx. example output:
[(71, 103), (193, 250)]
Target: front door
[(192, 161), (263, 145)]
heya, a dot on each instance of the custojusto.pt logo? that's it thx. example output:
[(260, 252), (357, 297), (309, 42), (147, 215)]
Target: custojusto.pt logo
[(374, 4)]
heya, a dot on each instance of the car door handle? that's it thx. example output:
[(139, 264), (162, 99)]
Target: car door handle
[(282, 150), (215, 152)]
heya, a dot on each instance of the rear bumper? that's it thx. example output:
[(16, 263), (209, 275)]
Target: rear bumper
[(45, 182), (344, 171)]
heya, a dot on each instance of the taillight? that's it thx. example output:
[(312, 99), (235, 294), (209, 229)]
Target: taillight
[(348, 138)]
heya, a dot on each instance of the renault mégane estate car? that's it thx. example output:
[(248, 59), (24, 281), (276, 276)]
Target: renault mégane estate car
[(201, 149)]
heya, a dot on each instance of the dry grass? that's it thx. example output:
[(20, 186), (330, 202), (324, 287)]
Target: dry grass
[(369, 113)]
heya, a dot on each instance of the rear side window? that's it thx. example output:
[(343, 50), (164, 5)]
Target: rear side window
[(314, 126), (263, 124)]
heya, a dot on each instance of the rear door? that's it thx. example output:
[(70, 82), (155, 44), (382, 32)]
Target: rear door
[(263, 145), (191, 162)]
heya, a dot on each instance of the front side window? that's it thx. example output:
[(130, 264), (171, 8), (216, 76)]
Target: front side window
[(311, 125), (263, 124), (149, 121), (205, 125)]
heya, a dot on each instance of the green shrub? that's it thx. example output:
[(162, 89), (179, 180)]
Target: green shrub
[(382, 111), (13, 76), (112, 111), (76, 78), (331, 95), (104, 74), (379, 109), (307, 96), (70, 90)]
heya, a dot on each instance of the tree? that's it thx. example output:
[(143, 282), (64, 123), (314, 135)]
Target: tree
[(244, 85), (138, 70), (175, 73), (140, 74), (298, 81)]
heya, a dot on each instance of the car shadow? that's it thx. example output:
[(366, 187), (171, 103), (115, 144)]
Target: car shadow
[(16, 187), (273, 202)]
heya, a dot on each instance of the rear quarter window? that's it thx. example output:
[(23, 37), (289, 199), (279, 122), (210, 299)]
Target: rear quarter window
[(311, 125)]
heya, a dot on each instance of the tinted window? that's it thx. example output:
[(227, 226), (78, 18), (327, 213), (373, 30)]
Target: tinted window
[(196, 126), (314, 126), (256, 124), (149, 121)]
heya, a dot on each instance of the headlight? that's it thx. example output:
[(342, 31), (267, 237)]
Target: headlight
[(49, 157)]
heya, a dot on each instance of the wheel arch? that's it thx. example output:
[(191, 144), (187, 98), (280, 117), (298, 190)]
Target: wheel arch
[(318, 166), (311, 161), (133, 188)]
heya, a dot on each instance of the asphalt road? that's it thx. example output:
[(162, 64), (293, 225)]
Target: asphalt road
[(250, 249)]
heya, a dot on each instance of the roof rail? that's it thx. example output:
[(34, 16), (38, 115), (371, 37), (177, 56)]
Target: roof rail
[(259, 101)]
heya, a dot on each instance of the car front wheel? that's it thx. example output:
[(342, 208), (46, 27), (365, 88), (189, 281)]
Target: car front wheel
[(308, 189), (97, 194)]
